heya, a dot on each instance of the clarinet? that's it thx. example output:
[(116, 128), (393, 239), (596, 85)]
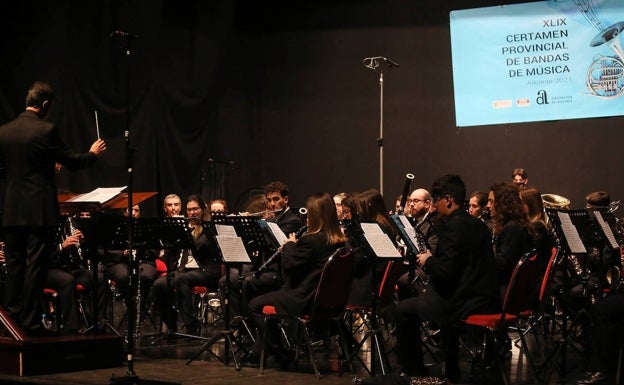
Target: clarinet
[(406, 188), (72, 229), (137, 265), (277, 254)]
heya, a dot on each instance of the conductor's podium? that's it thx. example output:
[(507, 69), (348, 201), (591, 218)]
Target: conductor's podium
[(22, 355)]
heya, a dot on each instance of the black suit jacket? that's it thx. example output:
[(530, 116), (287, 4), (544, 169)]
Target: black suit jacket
[(289, 222), (463, 270), (29, 148), (302, 263)]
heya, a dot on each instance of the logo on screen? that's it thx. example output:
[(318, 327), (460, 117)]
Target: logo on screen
[(542, 97)]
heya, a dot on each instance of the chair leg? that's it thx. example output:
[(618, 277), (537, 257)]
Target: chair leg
[(263, 342), (618, 372)]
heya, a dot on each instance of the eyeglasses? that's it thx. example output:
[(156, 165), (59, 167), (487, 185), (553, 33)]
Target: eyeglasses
[(436, 199), (415, 201)]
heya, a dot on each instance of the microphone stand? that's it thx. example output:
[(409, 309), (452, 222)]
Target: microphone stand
[(373, 63), (131, 377)]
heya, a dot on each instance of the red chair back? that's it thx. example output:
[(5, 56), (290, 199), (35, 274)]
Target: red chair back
[(334, 286), (161, 267), (524, 280), (548, 274)]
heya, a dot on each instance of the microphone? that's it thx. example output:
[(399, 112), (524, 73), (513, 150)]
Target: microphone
[(127, 35), (391, 63), (373, 62)]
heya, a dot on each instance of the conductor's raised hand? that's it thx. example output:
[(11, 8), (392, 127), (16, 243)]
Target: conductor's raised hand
[(98, 147)]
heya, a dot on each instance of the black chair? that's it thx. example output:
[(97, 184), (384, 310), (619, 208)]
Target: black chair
[(328, 307)]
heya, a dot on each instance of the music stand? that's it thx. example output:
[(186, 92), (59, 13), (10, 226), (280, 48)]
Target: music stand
[(377, 245), (259, 240), (231, 250), (576, 231)]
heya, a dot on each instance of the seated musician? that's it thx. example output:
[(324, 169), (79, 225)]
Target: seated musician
[(302, 261), (349, 206), (371, 209), (116, 267), (188, 268), (462, 279), (520, 178), (543, 241), (510, 231), (477, 203), (419, 207), (589, 279), (67, 268), (338, 201), (276, 198)]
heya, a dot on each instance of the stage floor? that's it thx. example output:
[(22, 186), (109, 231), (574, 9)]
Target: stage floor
[(163, 361)]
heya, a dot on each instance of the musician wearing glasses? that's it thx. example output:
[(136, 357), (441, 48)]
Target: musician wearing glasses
[(462, 279), (419, 205), (190, 268)]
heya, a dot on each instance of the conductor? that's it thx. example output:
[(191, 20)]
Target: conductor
[(29, 149)]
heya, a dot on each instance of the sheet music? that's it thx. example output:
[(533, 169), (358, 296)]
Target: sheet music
[(409, 229), (225, 230), (232, 249), (277, 233), (100, 195), (571, 234), (606, 229), (378, 240)]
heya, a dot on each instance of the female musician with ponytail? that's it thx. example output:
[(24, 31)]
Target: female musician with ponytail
[(302, 263)]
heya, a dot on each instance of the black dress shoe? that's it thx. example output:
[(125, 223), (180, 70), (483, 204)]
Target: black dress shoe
[(593, 378)]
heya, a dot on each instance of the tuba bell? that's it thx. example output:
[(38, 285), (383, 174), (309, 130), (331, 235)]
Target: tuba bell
[(553, 201)]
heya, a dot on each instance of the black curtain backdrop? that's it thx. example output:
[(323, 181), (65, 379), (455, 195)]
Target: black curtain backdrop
[(174, 73), (226, 96)]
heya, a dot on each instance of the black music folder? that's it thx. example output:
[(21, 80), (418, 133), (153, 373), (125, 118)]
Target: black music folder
[(582, 229), (407, 232), (371, 238), (231, 246)]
